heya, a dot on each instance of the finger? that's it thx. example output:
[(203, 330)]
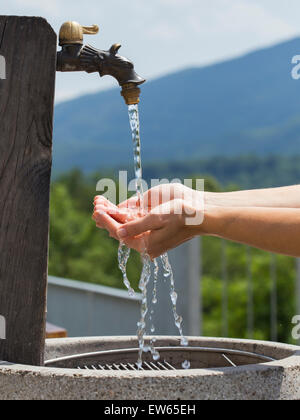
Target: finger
[(131, 203), (99, 226), (120, 215), (157, 196), (100, 199), (108, 223), (140, 226), (99, 211), (126, 216), (141, 206), (99, 215), (107, 207), (138, 244), (151, 198)]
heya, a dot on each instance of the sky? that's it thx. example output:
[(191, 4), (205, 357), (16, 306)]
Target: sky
[(163, 36)]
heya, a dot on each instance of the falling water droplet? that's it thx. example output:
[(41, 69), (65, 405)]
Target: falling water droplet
[(184, 342), (186, 365), (123, 257), (174, 298), (131, 293)]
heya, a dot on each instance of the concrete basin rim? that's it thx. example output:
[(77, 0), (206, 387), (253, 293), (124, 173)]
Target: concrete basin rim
[(293, 361)]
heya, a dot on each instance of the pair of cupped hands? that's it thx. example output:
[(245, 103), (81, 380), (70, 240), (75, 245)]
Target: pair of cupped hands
[(154, 224)]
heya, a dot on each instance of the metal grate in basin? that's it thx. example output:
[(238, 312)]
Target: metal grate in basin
[(154, 366)]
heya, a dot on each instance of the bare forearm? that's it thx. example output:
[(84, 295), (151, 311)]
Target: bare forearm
[(285, 197), (275, 230)]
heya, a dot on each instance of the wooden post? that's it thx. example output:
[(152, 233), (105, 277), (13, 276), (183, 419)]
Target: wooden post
[(27, 83)]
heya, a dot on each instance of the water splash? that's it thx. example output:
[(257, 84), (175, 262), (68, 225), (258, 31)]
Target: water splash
[(156, 272), (168, 273), (186, 365), (144, 281), (134, 120), (154, 302), (123, 257), (124, 254), (133, 112)]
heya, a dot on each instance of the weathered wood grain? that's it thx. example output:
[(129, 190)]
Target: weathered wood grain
[(26, 120)]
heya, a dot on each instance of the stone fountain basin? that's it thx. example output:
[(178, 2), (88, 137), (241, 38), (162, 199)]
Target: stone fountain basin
[(278, 380)]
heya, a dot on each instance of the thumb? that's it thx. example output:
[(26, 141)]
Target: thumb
[(140, 226)]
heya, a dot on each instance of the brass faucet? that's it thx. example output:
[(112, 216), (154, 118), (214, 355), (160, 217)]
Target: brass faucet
[(74, 56)]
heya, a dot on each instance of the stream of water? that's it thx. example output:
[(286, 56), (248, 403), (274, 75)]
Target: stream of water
[(124, 254)]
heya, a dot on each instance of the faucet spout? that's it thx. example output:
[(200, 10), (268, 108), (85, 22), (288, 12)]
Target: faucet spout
[(110, 63), (74, 56)]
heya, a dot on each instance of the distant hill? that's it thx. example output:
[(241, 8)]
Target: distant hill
[(247, 105), (241, 171)]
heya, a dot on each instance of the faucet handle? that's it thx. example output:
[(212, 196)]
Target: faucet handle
[(72, 33), (90, 30)]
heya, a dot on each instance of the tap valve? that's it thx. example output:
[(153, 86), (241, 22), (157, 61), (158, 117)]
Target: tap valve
[(74, 56), (71, 33)]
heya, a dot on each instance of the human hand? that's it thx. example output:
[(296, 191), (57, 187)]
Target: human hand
[(110, 217), (174, 214), (164, 193), (165, 227), (102, 206)]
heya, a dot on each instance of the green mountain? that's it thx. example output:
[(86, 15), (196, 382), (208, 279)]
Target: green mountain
[(248, 105), (247, 171)]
